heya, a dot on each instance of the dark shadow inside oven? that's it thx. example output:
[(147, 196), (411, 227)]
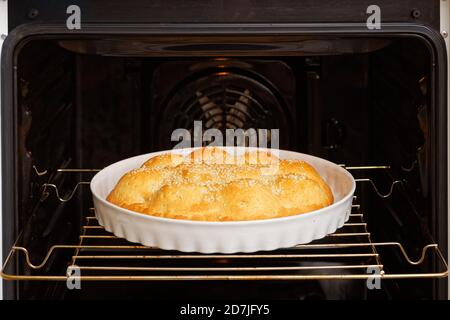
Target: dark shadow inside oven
[(355, 101)]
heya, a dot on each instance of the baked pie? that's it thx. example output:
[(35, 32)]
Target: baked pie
[(211, 184)]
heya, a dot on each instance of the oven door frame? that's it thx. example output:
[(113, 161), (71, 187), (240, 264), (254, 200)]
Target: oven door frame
[(24, 33)]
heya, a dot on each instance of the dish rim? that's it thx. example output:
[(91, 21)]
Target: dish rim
[(150, 155)]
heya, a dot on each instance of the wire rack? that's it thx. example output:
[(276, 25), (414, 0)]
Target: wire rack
[(349, 253)]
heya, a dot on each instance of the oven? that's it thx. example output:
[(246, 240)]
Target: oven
[(88, 83)]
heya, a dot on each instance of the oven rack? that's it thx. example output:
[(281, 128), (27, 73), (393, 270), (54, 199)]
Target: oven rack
[(348, 253), (47, 187)]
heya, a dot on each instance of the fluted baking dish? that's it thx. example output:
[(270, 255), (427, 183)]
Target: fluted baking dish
[(227, 236)]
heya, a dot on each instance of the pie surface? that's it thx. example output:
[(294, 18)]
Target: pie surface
[(209, 184)]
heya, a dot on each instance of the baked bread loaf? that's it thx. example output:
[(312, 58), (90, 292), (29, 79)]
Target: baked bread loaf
[(210, 184)]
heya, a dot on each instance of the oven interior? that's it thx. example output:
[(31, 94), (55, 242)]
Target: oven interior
[(366, 103)]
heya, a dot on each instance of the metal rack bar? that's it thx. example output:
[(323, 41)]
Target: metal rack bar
[(46, 186), (377, 191), (77, 170), (364, 167), (233, 268)]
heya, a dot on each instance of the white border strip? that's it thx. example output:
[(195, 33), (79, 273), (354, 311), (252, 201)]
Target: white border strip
[(3, 31)]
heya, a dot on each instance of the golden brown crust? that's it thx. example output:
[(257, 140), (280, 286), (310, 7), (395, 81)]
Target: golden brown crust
[(164, 161), (211, 185), (289, 167), (209, 155)]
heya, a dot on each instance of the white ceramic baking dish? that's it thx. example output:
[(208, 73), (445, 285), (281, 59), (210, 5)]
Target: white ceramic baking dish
[(223, 237)]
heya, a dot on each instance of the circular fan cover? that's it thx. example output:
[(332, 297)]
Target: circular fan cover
[(223, 100)]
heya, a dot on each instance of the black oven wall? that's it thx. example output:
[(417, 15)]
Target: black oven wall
[(401, 113), (46, 141)]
